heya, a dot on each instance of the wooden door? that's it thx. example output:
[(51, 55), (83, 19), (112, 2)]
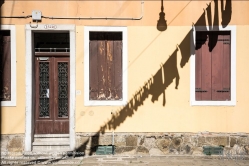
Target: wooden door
[(52, 95)]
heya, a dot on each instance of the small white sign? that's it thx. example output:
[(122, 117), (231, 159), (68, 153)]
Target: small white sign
[(50, 26), (47, 94)]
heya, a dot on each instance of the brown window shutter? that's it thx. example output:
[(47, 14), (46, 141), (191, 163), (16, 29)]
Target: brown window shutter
[(221, 67), (110, 69), (93, 70), (226, 69), (203, 68), (118, 69), (102, 70), (105, 66), (5, 70), (198, 65), (217, 59)]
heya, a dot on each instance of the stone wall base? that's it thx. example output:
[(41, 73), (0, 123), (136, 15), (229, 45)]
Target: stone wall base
[(145, 143), (164, 143), (12, 144)]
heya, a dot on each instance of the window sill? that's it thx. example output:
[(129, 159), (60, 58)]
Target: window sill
[(213, 103), (11, 103), (105, 103)]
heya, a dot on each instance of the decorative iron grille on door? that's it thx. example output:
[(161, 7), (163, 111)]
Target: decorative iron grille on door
[(44, 89)]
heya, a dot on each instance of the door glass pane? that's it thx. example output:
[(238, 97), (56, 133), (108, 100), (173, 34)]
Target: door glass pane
[(63, 89), (44, 89)]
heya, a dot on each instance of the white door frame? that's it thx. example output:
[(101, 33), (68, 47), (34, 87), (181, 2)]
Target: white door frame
[(29, 78)]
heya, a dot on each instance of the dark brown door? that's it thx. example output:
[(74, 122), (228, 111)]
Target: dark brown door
[(52, 95)]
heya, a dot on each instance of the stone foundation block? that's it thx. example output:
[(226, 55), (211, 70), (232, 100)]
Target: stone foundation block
[(83, 143), (4, 143), (119, 140), (243, 140), (131, 140), (197, 151), (247, 149), (233, 141), (218, 141), (163, 144), (201, 141), (155, 151), (176, 142), (105, 140), (16, 144), (142, 150), (127, 150), (186, 149), (149, 142)]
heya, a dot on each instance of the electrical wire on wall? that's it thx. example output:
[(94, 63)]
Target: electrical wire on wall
[(84, 18)]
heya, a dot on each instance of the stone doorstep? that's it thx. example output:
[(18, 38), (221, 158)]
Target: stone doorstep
[(48, 139), (58, 143), (45, 143), (44, 139), (55, 149), (48, 152), (51, 136)]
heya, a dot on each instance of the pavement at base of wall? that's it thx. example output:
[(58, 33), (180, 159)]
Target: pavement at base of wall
[(115, 160)]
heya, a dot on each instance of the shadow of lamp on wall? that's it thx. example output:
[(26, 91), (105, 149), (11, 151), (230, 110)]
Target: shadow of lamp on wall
[(161, 23)]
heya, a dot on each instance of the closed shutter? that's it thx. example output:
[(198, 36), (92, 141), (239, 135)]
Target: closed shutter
[(217, 56), (105, 67), (93, 71), (226, 69), (203, 68), (118, 69), (221, 68), (212, 69), (5, 68), (110, 69), (102, 70)]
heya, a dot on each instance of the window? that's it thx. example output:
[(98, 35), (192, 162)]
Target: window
[(214, 68), (8, 66), (5, 70), (105, 67)]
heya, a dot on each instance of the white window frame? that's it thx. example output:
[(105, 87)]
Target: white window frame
[(12, 30), (232, 102), (87, 30)]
